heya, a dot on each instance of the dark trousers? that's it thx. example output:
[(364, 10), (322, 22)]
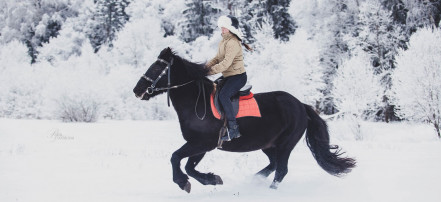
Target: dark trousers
[(231, 86)]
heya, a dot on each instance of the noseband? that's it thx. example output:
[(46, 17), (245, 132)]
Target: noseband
[(150, 90)]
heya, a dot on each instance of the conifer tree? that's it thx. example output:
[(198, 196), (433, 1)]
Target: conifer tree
[(283, 24), (422, 13), (340, 21), (200, 19), (255, 11), (109, 17), (378, 35), (398, 9)]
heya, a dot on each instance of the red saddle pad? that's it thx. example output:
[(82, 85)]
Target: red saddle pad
[(247, 107)]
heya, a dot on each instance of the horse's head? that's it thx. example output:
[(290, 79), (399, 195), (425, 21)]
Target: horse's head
[(168, 72), (156, 78)]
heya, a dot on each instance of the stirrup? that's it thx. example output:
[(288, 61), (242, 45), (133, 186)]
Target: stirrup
[(227, 136)]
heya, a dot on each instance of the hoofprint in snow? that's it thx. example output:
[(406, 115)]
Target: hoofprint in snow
[(130, 161)]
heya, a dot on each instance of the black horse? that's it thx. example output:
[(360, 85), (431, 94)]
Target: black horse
[(283, 122)]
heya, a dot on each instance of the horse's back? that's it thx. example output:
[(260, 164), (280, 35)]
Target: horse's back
[(281, 114), (291, 111), (280, 101)]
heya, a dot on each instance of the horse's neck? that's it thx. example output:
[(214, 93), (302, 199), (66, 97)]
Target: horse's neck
[(184, 98)]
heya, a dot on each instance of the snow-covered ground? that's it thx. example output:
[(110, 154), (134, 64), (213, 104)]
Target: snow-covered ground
[(129, 161)]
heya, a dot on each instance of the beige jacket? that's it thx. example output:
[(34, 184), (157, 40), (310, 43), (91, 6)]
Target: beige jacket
[(229, 58)]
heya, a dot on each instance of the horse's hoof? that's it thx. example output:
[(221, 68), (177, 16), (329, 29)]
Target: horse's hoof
[(187, 187), (218, 180), (274, 185)]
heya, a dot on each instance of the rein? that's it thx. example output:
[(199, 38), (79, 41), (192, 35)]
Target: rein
[(201, 86)]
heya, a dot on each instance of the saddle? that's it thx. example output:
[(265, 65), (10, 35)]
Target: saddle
[(244, 103)]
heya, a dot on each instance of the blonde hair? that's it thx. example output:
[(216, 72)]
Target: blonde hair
[(248, 47)]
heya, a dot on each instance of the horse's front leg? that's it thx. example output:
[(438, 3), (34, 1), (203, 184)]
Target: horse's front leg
[(203, 178), (187, 150)]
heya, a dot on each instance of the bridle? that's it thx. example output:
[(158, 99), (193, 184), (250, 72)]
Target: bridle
[(150, 90)]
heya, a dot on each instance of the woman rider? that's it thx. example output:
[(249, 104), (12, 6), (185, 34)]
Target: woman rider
[(229, 62)]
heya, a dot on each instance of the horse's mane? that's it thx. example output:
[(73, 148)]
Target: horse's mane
[(195, 70)]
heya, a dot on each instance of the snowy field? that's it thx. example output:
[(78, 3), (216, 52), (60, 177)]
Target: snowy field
[(129, 161)]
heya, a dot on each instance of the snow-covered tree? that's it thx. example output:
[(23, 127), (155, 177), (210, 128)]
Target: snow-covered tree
[(378, 36), (108, 18), (422, 13), (287, 66), (356, 91), (417, 79), (20, 83), (340, 20), (398, 9), (35, 22), (68, 43), (13, 54), (78, 92), (252, 14), (200, 19), (167, 12), (283, 24), (328, 21)]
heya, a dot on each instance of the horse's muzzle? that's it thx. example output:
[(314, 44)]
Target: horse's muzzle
[(140, 96), (144, 96)]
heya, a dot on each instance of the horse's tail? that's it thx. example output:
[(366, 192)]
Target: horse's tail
[(327, 156)]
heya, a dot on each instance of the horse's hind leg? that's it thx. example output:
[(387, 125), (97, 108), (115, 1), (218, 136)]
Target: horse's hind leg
[(282, 166), (205, 179), (271, 153)]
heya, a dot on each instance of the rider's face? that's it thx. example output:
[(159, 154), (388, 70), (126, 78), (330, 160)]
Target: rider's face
[(225, 30)]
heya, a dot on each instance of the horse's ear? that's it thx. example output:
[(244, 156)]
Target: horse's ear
[(169, 49)]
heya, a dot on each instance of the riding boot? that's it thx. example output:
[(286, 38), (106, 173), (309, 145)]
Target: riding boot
[(232, 132)]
